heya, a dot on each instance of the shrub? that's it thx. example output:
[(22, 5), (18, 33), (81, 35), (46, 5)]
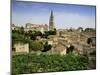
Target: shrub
[(36, 46), (46, 47)]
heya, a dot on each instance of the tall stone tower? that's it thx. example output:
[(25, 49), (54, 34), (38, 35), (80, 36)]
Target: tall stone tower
[(51, 22)]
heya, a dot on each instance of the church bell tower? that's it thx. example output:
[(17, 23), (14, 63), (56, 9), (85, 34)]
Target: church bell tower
[(51, 22)]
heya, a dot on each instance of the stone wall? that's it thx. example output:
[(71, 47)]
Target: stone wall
[(21, 47)]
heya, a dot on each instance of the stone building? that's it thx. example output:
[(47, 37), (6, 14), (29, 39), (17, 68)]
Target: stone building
[(36, 27), (41, 27), (14, 27), (50, 42), (21, 47), (78, 49), (59, 49)]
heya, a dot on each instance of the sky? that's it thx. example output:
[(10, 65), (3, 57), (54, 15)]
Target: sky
[(65, 15)]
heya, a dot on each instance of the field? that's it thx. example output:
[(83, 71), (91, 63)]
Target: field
[(31, 63)]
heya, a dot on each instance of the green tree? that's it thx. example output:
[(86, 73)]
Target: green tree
[(89, 40), (70, 49), (33, 37), (80, 28), (38, 33), (46, 34), (47, 47), (22, 30), (89, 30), (36, 46)]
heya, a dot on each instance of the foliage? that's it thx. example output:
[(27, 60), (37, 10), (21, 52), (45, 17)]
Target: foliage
[(36, 46), (46, 47), (29, 63), (80, 28), (38, 33), (89, 40), (22, 30), (18, 37), (52, 32), (89, 30), (34, 34), (47, 33), (70, 49)]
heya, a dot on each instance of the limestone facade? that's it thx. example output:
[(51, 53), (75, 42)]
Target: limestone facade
[(36, 27), (21, 47)]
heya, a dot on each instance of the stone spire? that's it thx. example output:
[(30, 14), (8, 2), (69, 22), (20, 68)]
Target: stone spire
[(51, 22)]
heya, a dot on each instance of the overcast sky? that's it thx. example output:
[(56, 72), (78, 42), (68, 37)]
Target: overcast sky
[(65, 15)]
